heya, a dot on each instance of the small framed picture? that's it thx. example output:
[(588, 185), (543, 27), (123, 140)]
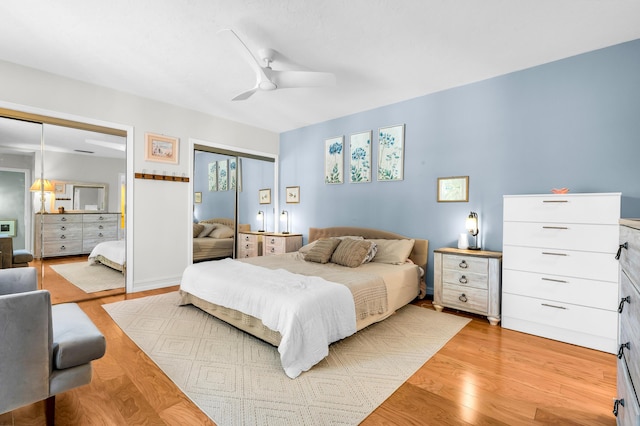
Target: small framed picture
[(293, 194), (7, 228), (160, 148), (264, 196), (453, 189), (60, 188), (197, 198)]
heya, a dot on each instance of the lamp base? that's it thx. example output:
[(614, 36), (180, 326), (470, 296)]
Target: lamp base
[(285, 232), (261, 230), (473, 248)]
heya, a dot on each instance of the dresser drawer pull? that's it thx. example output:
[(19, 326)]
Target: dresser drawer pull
[(101, 218), (246, 238), (616, 403), (273, 250), (272, 241), (555, 281), (63, 248), (100, 227), (463, 280), (553, 306), (548, 253), (63, 228), (622, 348), (62, 237), (620, 247), (462, 298), (64, 219), (555, 201), (463, 264), (554, 227), (246, 246), (100, 234), (621, 305)]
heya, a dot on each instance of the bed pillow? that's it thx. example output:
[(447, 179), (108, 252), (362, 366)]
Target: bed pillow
[(221, 231), (208, 228), (307, 247), (350, 252), (197, 229), (371, 253), (321, 250), (395, 252)]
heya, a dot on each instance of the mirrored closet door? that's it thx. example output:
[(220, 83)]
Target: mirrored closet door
[(64, 199)]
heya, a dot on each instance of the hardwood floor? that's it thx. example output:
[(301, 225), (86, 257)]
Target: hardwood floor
[(485, 375)]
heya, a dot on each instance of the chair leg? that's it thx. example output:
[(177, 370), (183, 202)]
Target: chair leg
[(50, 410)]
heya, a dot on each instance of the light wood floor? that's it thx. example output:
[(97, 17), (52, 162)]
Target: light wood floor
[(485, 375)]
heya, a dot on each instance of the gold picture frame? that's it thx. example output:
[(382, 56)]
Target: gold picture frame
[(160, 148), (293, 194), (454, 189), (197, 198), (264, 196)]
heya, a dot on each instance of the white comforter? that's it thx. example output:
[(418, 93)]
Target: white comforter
[(112, 250), (309, 312)]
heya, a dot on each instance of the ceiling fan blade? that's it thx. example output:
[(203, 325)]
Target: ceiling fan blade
[(233, 39), (293, 79), (245, 95)]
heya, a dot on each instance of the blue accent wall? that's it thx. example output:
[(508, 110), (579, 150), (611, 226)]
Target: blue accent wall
[(572, 123)]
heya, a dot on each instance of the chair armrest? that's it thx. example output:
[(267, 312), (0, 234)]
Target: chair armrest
[(25, 348), (18, 280), (76, 340)]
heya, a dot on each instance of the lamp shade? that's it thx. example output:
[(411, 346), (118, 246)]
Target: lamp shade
[(42, 185), (472, 223)]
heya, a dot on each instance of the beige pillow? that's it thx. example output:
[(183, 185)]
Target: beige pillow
[(221, 231), (306, 248), (395, 252), (351, 252), (208, 227), (321, 250), (197, 229)]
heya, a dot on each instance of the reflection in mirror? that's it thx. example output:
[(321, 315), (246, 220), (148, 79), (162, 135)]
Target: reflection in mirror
[(85, 169)]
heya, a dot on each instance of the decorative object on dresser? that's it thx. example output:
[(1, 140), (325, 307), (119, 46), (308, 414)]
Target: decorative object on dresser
[(627, 405), (73, 233), (468, 280), (281, 243), (559, 277)]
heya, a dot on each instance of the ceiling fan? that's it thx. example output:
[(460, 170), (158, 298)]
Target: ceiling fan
[(270, 79)]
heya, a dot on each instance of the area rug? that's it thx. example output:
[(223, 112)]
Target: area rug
[(90, 278), (237, 379)]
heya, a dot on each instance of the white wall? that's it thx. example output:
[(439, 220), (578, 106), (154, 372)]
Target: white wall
[(160, 229)]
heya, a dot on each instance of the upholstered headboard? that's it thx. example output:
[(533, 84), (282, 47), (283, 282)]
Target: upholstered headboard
[(242, 227), (418, 255)]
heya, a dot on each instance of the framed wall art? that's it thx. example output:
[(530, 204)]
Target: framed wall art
[(264, 196), (391, 153), (213, 176), (233, 174), (8, 228), (334, 160), (360, 157), (197, 198), (453, 189), (293, 194), (160, 148), (223, 175)]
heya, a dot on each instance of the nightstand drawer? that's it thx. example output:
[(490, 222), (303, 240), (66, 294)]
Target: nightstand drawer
[(467, 279), (630, 326), (465, 264), (248, 238), (465, 298), (628, 412)]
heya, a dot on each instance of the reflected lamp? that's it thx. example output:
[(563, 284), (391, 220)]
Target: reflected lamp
[(284, 216), (262, 218)]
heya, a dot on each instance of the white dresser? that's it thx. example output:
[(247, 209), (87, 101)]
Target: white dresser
[(73, 233), (559, 272), (626, 406)]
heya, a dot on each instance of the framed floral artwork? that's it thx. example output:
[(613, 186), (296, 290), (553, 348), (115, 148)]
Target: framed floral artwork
[(391, 153), (264, 196), (213, 176), (334, 160), (293, 194), (360, 162), (233, 174), (223, 175)]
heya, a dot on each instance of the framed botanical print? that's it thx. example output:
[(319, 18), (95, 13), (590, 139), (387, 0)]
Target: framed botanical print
[(264, 196), (293, 194), (334, 160), (360, 157), (391, 153), (453, 189)]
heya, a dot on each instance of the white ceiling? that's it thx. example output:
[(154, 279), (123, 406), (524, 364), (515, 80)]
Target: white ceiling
[(381, 51)]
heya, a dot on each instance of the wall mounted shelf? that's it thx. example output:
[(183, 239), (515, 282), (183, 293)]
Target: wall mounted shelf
[(161, 177)]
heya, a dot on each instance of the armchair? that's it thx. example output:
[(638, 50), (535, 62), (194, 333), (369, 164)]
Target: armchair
[(10, 258), (44, 350)]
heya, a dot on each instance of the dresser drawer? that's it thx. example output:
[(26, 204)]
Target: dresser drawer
[(579, 264), (466, 279), (630, 257), (465, 264), (630, 326), (248, 238), (577, 291), (62, 218), (563, 208), (62, 248), (628, 409), (274, 245), (465, 298), (573, 318), (100, 218), (566, 236), (62, 231)]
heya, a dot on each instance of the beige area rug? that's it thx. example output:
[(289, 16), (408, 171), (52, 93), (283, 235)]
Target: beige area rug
[(90, 278), (237, 379)]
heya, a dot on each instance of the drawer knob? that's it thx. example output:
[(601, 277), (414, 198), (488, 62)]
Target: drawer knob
[(64, 219), (246, 246), (622, 348), (462, 298), (617, 403), (100, 227), (463, 280), (62, 237), (621, 305), (463, 264), (620, 247), (63, 248), (100, 234), (63, 228), (246, 238)]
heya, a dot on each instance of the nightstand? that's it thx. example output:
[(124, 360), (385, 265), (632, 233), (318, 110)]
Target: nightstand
[(249, 244), (281, 243), (468, 280)]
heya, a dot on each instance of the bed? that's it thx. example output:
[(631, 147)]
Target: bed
[(111, 254), (213, 238), (316, 292)]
